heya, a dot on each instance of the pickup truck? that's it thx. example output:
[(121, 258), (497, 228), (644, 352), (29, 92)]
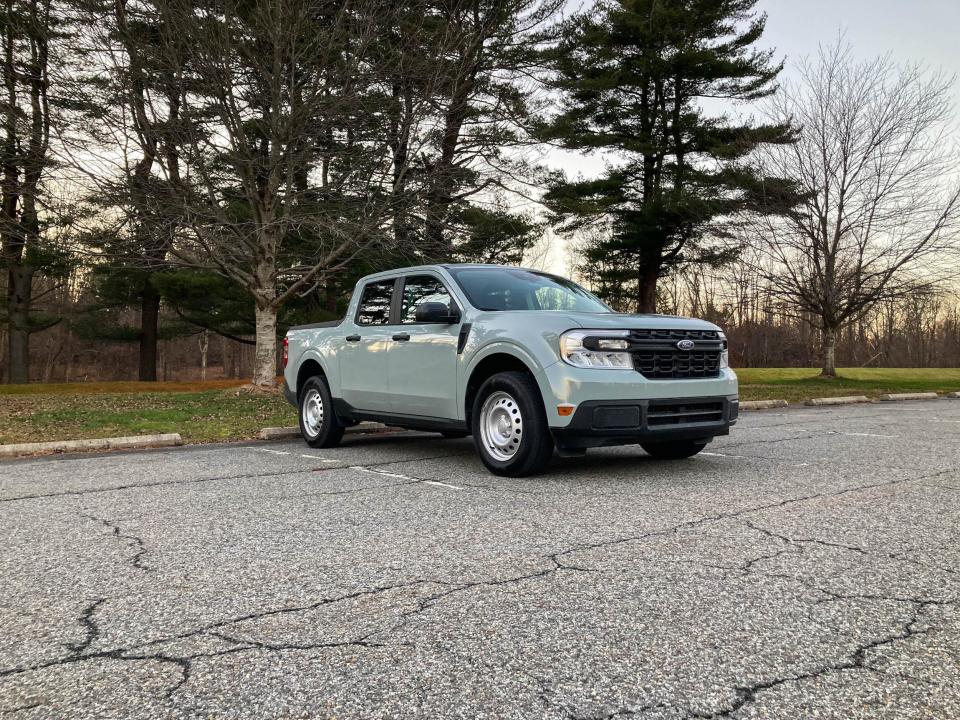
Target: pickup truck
[(524, 361)]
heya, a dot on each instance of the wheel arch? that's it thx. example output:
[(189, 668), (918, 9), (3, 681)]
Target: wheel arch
[(310, 367), (495, 360)]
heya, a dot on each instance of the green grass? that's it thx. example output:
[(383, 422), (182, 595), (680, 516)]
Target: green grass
[(212, 411), (207, 416), (799, 384)]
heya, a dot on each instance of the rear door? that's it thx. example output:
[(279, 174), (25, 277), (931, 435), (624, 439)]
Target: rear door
[(364, 382), (423, 361)]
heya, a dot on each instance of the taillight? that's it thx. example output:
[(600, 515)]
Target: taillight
[(286, 351)]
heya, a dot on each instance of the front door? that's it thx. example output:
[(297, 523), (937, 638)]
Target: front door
[(363, 362), (423, 368)]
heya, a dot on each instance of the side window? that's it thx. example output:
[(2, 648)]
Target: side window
[(419, 289), (375, 303)]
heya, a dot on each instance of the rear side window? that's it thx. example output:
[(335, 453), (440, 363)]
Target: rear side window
[(419, 289), (375, 303)]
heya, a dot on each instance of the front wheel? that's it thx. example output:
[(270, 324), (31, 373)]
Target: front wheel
[(318, 423), (509, 425), (675, 450)]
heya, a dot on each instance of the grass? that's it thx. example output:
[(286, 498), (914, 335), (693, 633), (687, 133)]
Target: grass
[(212, 411), (799, 384), (200, 412)]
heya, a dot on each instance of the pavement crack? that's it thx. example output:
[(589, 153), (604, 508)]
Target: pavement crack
[(126, 653), (897, 557), (91, 629), (21, 708), (134, 541), (855, 661)]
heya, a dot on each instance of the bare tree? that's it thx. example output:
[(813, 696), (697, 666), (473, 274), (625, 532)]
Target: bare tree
[(285, 154), (880, 185)]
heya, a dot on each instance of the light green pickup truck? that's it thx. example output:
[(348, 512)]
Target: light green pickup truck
[(525, 361)]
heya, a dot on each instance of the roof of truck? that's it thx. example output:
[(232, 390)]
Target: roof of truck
[(445, 266)]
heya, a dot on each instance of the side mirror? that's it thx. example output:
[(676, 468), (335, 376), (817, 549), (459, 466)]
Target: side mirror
[(436, 312)]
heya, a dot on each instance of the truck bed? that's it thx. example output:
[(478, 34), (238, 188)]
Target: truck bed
[(317, 326)]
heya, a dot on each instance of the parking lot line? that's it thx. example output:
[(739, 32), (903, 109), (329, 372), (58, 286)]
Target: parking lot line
[(436, 482), (403, 477)]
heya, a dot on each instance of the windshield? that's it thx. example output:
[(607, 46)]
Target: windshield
[(497, 288)]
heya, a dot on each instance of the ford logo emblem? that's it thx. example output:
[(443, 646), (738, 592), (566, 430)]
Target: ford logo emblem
[(685, 344)]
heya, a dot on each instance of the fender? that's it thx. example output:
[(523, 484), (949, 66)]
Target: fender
[(326, 364), (501, 347)]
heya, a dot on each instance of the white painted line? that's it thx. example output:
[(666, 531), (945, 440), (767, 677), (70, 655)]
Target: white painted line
[(284, 452), (403, 477), (380, 472), (435, 482), (713, 454), (834, 432)]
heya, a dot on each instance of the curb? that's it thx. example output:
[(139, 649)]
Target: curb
[(117, 443), (896, 397), (287, 433), (955, 395), (762, 404), (846, 400)]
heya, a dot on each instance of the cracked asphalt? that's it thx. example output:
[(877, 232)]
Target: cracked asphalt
[(807, 566)]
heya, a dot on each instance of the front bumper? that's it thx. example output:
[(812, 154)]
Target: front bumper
[(598, 423), (562, 384)]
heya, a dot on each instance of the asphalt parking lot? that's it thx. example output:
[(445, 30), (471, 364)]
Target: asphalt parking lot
[(806, 566)]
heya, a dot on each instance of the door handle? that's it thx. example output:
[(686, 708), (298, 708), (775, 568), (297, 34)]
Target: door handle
[(352, 338), (401, 337)]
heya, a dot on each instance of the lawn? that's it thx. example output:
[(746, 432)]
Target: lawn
[(200, 412), (799, 384), (214, 411)]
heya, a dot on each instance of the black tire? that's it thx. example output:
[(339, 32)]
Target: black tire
[(527, 448), (454, 434), (674, 450), (326, 430)]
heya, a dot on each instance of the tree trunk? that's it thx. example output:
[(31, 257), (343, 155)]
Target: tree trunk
[(265, 358), (149, 326), (829, 352), (647, 291), (19, 292)]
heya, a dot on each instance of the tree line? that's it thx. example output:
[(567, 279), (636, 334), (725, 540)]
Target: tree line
[(231, 167)]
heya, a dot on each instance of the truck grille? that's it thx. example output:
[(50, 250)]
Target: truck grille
[(656, 356), (659, 415)]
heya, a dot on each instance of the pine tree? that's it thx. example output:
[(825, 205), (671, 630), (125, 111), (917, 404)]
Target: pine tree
[(633, 77)]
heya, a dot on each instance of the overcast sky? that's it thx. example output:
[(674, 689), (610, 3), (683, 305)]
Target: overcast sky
[(911, 30), (925, 31)]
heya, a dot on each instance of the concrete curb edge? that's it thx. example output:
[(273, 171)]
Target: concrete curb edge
[(842, 400), (115, 443), (897, 397), (762, 404)]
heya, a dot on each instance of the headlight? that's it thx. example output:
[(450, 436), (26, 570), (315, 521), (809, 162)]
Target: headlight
[(724, 354), (596, 349)]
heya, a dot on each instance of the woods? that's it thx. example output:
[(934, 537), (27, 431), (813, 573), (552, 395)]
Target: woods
[(179, 171)]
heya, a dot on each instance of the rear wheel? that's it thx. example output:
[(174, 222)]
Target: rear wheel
[(509, 425), (318, 422), (674, 450)]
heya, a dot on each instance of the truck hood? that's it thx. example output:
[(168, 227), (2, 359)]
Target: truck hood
[(624, 321)]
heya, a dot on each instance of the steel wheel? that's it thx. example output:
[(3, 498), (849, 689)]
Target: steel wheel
[(501, 426), (312, 412)]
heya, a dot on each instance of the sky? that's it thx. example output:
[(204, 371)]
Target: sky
[(910, 31)]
